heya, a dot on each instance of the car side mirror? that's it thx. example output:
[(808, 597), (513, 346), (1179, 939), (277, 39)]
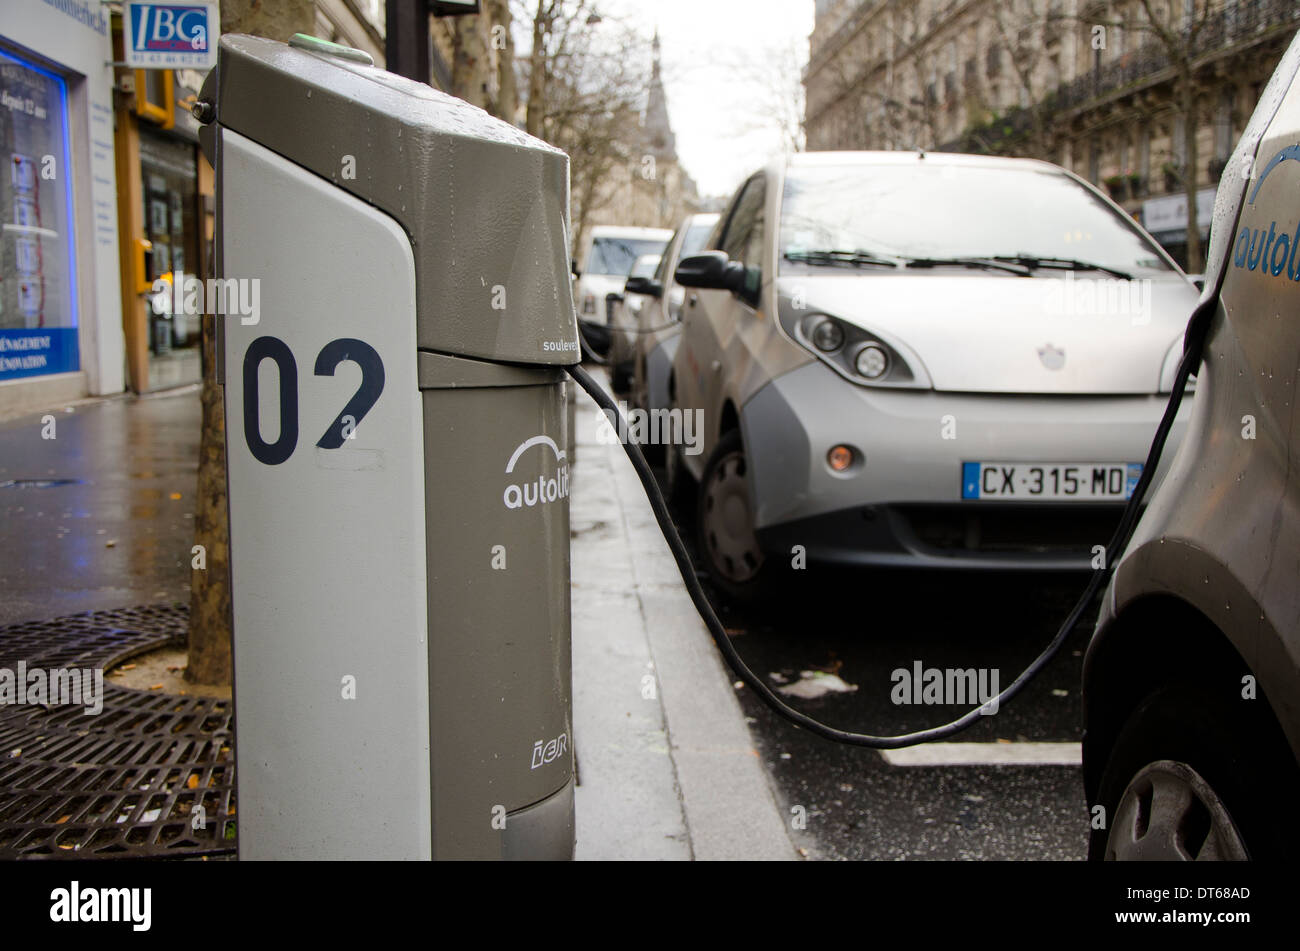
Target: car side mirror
[(573, 266), (643, 285), (712, 270)]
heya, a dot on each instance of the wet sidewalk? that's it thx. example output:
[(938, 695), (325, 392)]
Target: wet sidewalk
[(101, 514), (667, 766)]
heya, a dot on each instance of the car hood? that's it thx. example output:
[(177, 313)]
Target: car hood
[(1070, 332)]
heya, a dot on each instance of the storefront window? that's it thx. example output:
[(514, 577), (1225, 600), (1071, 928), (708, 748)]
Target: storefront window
[(38, 293), (169, 178)]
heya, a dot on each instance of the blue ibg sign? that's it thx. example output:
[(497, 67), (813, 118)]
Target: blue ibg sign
[(162, 35)]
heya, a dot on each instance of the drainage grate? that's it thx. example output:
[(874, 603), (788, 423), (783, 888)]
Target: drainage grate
[(126, 782)]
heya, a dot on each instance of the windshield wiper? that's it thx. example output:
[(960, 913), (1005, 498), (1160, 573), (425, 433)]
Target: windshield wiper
[(852, 258), (989, 264), (1034, 262)]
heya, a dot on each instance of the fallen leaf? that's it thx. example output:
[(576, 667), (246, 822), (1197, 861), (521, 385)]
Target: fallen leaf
[(111, 543), (127, 667), (174, 496), (61, 820), (156, 687), (193, 781), (815, 683)]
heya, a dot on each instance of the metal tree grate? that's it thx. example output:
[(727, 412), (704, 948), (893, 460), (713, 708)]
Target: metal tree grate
[(125, 782)]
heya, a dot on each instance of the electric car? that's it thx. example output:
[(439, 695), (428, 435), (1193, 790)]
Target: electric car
[(624, 316), (660, 326), (1192, 679), (604, 261), (920, 359)]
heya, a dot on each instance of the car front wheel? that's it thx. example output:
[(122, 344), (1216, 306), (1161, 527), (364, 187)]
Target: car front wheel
[(725, 517)]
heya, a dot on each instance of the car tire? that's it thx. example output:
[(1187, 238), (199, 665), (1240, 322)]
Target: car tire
[(1196, 774), (678, 481), (620, 375), (728, 546)]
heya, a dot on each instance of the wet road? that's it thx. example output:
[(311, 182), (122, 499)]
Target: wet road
[(100, 515), (863, 626)]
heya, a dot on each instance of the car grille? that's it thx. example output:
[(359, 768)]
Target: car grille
[(993, 528)]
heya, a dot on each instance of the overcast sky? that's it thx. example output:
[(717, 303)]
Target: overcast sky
[(715, 109)]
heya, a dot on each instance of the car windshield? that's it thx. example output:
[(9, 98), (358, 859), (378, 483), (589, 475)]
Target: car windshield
[(833, 216), (611, 255), (645, 266), (692, 243), (696, 235)]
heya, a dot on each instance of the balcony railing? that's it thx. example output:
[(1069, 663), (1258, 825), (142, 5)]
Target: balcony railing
[(1236, 23)]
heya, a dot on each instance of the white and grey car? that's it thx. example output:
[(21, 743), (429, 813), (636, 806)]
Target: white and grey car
[(919, 359), (604, 260), (624, 315), (659, 327)]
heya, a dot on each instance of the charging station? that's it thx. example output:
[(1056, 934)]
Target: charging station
[(397, 439)]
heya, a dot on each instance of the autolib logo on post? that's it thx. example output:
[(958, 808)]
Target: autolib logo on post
[(1272, 250), (550, 485)]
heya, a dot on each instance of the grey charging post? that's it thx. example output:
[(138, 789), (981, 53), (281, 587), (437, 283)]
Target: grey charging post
[(396, 437)]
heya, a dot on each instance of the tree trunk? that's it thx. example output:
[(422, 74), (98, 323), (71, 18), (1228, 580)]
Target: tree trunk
[(507, 100), (210, 615), (469, 62), (1195, 264), (534, 118), (209, 657)]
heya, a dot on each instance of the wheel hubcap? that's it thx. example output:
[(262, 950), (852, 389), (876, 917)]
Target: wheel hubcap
[(1170, 813), (728, 521)]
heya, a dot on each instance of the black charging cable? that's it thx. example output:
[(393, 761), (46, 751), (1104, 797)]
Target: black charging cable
[(1193, 341)]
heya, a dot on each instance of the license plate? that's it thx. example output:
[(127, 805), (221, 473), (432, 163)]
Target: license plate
[(1046, 481)]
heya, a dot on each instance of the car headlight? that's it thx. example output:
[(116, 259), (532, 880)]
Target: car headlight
[(858, 354), (827, 335), (871, 361)]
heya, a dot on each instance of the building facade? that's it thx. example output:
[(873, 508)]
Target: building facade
[(60, 323), (1097, 87)]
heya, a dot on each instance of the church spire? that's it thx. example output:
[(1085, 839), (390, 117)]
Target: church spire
[(659, 133)]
